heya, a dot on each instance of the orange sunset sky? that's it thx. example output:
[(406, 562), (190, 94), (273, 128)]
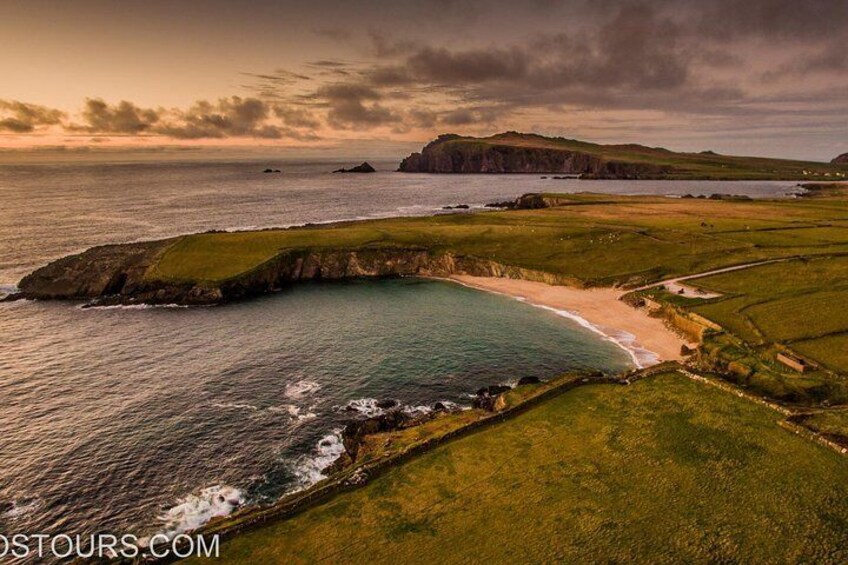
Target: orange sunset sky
[(764, 77)]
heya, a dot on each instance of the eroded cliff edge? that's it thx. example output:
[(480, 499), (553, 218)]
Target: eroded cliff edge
[(123, 274), (455, 154)]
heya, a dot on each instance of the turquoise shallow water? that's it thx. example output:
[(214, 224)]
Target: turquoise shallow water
[(136, 419)]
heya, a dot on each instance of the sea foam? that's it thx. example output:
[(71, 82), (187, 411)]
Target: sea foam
[(195, 510), (301, 389), (310, 469)]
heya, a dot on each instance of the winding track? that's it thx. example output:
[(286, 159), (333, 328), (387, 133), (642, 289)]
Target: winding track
[(713, 272)]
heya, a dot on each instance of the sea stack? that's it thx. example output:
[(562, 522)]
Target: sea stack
[(363, 168)]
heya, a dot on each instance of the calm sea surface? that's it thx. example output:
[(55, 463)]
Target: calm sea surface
[(147, 420)]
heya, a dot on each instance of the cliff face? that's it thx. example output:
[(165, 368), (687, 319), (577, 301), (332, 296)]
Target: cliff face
[(841, 160), (99, 271), (116, 274), (452, 154)]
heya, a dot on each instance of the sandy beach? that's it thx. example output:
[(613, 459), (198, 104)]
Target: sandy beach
[(648, 339)]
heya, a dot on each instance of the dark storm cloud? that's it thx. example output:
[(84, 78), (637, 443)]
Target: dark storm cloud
[(637, 47), (20, 117), (355, 105), (297, 117), (483, 65), (468, 116), (782, 20), (387, 46), (667, 56)]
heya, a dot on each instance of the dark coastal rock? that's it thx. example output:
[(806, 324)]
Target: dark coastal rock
[(716, 196), (386, 403), (841, 160), (457, 207), (493, 390), (98, 272), (512, 152), (507, 204), (355, 432), (488, 396), (486, 403), (363, 168), (528, 381), (272, 171)]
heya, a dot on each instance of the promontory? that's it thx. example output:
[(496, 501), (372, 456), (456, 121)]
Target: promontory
[(514, 152)]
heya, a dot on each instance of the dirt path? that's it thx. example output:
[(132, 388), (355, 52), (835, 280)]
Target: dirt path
[(673, 285)]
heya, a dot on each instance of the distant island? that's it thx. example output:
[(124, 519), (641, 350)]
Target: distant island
[(841, 160), (363, 168), (513, 152)]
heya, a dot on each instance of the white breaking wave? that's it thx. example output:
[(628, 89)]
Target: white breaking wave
[(294, 411), (367, 406), (417, 410), (195, 510), (95, 307), (300, 389), (21, 507), (311, 469), (640, 356)]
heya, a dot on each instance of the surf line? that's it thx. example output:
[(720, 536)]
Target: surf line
[(640, 356)]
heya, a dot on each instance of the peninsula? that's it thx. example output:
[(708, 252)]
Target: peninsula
[(513, 152)]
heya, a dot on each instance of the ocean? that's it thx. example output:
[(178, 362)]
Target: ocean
[(148, 420)]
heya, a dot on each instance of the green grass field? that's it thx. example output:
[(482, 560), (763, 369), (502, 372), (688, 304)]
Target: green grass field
[(664, 470), (801, 303), (597, 239)]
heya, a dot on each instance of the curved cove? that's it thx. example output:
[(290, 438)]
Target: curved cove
[(149, 419)]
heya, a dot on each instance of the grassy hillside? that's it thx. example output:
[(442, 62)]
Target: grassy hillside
[(596, 239), (679, 165), (665, 470)]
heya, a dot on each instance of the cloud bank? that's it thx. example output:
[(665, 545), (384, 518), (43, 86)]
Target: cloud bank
[(683, 70)]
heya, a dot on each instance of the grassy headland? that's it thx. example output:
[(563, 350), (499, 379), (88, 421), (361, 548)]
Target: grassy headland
[(514, 152), (663, 470), (597, 240)]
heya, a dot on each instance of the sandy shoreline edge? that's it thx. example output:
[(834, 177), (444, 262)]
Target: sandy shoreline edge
[(646, 339)]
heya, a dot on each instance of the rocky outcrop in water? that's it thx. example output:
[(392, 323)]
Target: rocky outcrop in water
[(363, 168), (455, 154)]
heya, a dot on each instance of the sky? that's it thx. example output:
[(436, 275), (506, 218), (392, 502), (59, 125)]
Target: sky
[(757, 77)]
